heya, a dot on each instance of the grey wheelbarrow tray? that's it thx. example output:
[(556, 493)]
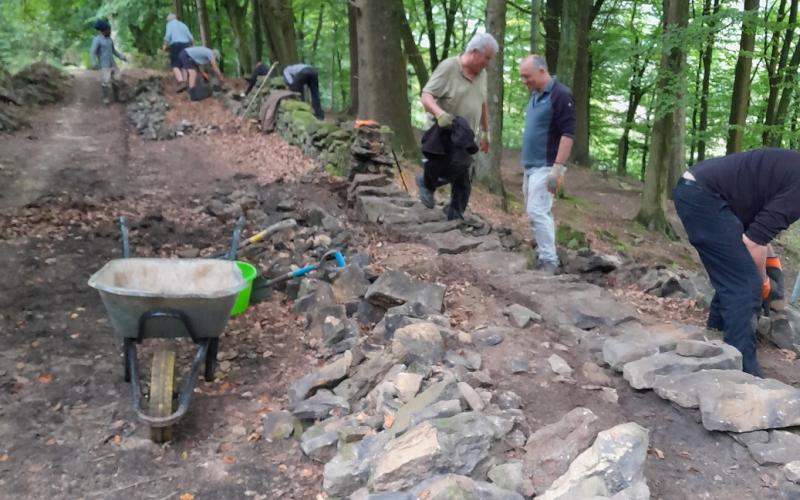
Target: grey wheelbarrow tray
[(168, 298)]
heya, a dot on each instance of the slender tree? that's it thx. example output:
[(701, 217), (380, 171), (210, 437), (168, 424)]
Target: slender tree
[(707, 59), (382, 83), (666, 143), (352, 38), (496, 25), (536, 33), (258, 39), (202, 22), (635, 93), (568, 44), (412, 52), (552, 30), (741, 83)]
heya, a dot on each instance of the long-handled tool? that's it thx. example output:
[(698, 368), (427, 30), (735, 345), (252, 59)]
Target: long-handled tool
[(260, 236), (329, 255), (258, 90)]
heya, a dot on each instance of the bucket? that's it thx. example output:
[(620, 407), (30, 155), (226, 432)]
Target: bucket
[(249, 273)]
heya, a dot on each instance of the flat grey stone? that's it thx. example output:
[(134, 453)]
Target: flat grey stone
[(366, 375), (595, 375), (520, 316), (642, 373), (320, 406), (440, 409), (451, 242), (638, 341), (278, 425), (792, 471), (445, 389), (520, 365), (611, 466), (511, 476), (348, 470), (325, 376), (783, 447), (319, 441), (394, 288), (735, 401), (471, 397), (697, 349), (350, 285), (508, 399), (559, 366), (490, 335)]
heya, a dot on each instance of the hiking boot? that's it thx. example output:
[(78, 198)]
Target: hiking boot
[(547, 267), (425, 195)]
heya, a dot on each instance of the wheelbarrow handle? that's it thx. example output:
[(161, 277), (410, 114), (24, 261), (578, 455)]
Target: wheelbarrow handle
[(237, 233)]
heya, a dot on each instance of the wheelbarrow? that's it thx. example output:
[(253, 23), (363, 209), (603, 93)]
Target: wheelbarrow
[(168, 298)]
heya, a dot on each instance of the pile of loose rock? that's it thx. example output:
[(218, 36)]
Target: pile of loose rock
[(34, 85), (147, 109)]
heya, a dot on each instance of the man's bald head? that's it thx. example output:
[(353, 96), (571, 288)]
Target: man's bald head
[(533, 72)]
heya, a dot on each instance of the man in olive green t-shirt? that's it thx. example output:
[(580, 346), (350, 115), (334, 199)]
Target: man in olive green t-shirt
[(458, 88)]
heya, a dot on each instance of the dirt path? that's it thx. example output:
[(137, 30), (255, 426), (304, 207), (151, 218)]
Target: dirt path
[(66, 425)]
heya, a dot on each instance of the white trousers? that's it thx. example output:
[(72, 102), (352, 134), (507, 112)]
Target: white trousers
[(538, 205)]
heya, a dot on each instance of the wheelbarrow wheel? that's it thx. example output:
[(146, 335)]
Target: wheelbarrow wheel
[(211, 359), (162, 381)]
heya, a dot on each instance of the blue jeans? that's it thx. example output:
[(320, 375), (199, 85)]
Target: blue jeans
[(716, 234)]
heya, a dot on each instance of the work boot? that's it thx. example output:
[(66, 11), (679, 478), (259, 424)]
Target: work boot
[(425, 195), (547, 267)]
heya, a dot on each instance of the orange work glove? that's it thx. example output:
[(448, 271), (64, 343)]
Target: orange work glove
[(765, 289)]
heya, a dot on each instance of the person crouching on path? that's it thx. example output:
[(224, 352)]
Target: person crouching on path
[(191, 58), (176, 38), (732, 208), (101, 56), (546, 146), (457, 88)]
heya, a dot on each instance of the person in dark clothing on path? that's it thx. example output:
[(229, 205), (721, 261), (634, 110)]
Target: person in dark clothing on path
[(261, 69), (101, 56), (732, 208), (298, 76), (457, 88)]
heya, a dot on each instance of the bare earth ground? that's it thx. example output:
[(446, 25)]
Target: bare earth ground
[(67, 429)]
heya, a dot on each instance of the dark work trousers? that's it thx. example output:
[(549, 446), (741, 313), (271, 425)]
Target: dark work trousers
[(716, 234), (460, 186), (309, 77)]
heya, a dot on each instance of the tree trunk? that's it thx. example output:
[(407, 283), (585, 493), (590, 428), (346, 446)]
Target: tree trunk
[(202, 22), (412, 52), (552, 32), (536, 32), (568, 46), (776, 67), (786, 98), (741, 83), (666, 144), (352, 39), (237, 15), (256, 48), (450, 9), (581, 81), (383, 90), (278, 21), (635, 94), (218, 39), (707, 59), (431, 28), (177, 8), (496, 26), (317, 32)]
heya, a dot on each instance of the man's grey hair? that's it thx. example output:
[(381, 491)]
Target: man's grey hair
[(483, 42), (217, 55), (171, 17)]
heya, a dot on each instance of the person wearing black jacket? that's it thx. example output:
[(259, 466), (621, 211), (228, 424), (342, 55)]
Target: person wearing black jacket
[(732, 208), (447, 160)]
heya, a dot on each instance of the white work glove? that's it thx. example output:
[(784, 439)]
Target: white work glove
[(555, 178)]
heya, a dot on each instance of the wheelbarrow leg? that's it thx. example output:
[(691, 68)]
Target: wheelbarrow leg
[(211, 359), (126, 357)]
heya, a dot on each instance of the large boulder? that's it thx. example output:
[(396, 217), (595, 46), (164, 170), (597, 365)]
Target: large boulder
[(550, 449), (642, 373), (614, 465), (731, 400), (394, 288)]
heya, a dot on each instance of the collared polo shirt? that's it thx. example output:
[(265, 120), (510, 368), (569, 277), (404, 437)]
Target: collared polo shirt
[(549, 115)]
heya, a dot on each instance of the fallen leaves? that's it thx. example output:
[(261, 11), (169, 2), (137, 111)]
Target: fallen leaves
[(4, 457), (186, 496), (229, 459), (45, 378), (655, 451)]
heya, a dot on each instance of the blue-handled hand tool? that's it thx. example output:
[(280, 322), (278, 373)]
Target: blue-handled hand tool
[(329, 255)]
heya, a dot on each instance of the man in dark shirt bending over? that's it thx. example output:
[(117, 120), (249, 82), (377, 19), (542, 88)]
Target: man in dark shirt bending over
[(732, 208)]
